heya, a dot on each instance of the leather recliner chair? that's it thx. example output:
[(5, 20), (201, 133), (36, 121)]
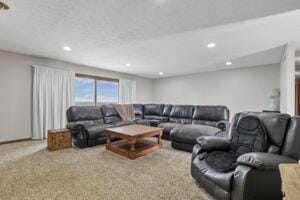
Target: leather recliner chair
[(88, 124), (257, 175)]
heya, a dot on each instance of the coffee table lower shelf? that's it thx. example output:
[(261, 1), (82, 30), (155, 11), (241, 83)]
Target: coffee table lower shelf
[(133, 151)]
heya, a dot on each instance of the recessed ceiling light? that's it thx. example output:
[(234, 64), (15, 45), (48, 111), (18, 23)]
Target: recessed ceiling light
[(160, 73), (128, 65), (228, 63), (211, 45), (3, 6), (66, 48)]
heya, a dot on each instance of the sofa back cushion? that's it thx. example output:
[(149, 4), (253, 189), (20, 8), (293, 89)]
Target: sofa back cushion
[(110, 114), (291, 145), (167, 110), (276, 125), (153, 109), (84, 113), (181, 114), (138, 110), (211, 113)]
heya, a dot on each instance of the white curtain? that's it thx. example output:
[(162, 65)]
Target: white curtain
[(127, 91), (52, 95)]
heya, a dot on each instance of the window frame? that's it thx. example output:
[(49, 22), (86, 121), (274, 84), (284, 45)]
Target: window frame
[(98, 78)]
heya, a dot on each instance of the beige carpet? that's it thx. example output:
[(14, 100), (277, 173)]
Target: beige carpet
[(28, 171)]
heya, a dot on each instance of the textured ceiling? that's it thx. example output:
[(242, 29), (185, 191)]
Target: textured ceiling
[(152, 35)]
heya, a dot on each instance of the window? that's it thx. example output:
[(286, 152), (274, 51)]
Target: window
[(107, 92), (92, 90), (84, 91)]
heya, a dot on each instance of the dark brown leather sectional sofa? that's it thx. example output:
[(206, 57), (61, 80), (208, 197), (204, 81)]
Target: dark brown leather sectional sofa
[(88, 123)]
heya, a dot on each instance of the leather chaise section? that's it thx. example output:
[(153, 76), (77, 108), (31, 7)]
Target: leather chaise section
[(187, 135), (167, 128)]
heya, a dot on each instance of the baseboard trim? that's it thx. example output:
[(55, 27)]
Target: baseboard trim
[(14, 141)]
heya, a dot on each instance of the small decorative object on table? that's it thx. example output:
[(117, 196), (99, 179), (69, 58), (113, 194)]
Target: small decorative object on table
[(59, 139), (274, 96)]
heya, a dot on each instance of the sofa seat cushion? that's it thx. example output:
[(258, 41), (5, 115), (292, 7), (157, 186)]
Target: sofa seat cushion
[(221, 179), (138, 117), (180, 120), (123, 123), (148, 122), (189, 133), (206, 123), (155, 117), (140, 121)]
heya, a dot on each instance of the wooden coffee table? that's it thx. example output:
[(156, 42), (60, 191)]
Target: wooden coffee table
[(133, 143)]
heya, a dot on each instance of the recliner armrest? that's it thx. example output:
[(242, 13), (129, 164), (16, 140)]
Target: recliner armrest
[(72, 125), (213, 143), (264, 161)]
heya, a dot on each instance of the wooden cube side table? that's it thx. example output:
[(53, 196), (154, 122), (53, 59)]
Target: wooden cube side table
[(59, 139)]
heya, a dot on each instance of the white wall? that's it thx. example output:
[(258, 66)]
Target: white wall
[(287, 80), (239, 89), (16, 84), (243, 89)]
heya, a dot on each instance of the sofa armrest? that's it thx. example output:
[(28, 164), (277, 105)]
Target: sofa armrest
[(213, 143), (79, 135), (264, 161), (223, 125), (196, 151), (72, 125)]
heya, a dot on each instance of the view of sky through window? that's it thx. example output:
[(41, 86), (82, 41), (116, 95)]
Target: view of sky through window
[(107, 91)]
